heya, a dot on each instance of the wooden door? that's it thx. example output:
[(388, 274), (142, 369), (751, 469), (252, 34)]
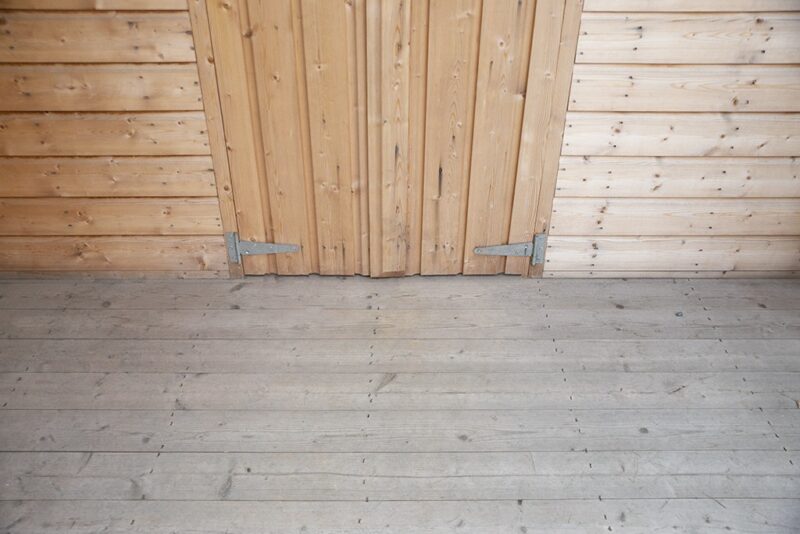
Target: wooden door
[(391, 137)]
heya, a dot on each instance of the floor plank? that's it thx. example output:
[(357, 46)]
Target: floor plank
[(639, 516), (419, 405)]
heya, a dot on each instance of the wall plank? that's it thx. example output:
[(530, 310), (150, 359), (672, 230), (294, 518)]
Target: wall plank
[(693, 5), (100, 134), (180, 176), (452, 70), (685, 88), (664, 217), (95, 37), (691, 134), (118, 216), (117, 5), (505, 44), (678, 177), (138, 253), (672, 253), (689, 38), (99, 88)]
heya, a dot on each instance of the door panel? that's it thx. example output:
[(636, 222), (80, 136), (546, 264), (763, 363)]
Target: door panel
[(384, 136)]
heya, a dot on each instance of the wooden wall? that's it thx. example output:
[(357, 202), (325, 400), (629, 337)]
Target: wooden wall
[(105, 149), (681, 143)]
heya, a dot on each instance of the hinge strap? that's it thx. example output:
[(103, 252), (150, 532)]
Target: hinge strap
[(535, 249), (237, 249)]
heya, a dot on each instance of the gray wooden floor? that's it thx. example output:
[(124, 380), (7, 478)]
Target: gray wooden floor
[(412, 406)]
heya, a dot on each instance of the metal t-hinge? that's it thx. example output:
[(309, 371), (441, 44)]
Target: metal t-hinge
[(237, 249), (535, 250)]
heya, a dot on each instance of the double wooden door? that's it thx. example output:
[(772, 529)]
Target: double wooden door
[(389, 137)]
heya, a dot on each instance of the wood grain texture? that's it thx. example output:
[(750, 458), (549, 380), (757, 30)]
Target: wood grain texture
[(418, 293), (556, 124), (452, 73), (685, 88), (674, 253), (599, 177), (390, 22), (552, 54), (99, 88), (395, 476), (95, 37), (201, 32), (692, 5), (82, 5), (120, 216), (665, 217), (633, 407), (689, 38), (769, 516), (330, 103), (434, 356), (140, 253), (179, 176), (407, 391), (231, 62), (690, 134), (103, 134), (505, 45), (281, 97)]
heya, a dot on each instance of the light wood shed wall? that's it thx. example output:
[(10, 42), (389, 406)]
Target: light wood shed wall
[(681, 142), (106, 163)]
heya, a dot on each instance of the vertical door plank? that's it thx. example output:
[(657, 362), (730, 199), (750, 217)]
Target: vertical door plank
[(305, 133), (397, 33), (555, 124), (538, 104), (374, 61), (418, 66), (363, 138), (394, 27), (454, 29), (355, 16), (216, 134), (506, 29), (327, 70), (279, 107), (233, 80)]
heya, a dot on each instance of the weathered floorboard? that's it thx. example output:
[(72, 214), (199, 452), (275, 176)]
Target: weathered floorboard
[(409, 405)]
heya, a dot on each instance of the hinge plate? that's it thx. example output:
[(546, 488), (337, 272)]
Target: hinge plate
[(237, 249), (535, 250)]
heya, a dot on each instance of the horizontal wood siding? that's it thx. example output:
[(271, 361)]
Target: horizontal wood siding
[(95, 37), (105, 160), (177, 176), (690, 134), (770, 88), (692, 5), (103, 134), (683, 38), (117, 216), (665, 254), (658, 177), (681, 141), (123, 253), (117, 5), (100, 87)]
